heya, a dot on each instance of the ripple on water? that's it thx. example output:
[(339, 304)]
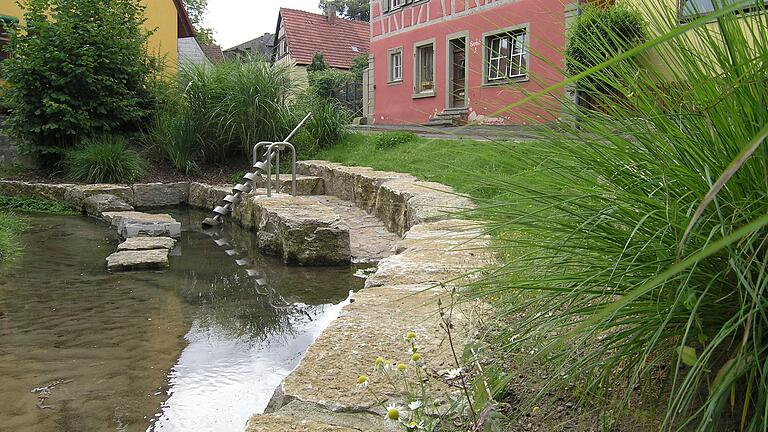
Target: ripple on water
[(197, 348)]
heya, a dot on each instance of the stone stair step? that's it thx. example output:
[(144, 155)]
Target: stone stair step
[(137, 224)]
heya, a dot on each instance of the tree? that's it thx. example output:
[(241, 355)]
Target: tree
[(353, 9), (359, 65), (318, 63), (78, 69), (197, 10)]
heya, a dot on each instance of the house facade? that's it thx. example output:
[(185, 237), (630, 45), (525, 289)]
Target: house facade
[(167, 18), (299, 35), (449, 61)]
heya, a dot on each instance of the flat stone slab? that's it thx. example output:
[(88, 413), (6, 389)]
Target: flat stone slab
[(437, 252), (138, 260), (277, 423), (372, 326), (138, 224), (147, 243), (305, 185), (301, 231), (95, 205), (160, 194)]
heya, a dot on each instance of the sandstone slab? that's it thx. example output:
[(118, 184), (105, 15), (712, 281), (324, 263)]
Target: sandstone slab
[(160, 194), (206, 196), (138, 260), (373, 325), (436, 252), (278, 423), (95, 205), (300, 231), (305, 185), (147, 243), (138, 224), (54, 192)]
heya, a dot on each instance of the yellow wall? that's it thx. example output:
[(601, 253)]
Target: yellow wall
[(162, 17)]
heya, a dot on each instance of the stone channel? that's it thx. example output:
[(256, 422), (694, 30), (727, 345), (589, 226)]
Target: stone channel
[(414, 230)]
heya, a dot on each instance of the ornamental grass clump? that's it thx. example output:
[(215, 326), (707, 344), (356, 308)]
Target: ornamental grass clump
[(636, 233), (104, 159)]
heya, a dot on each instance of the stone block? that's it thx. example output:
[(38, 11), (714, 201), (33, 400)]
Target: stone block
[(206, 196), (54, 192), (278, 423), (147, 243), (75, 195), (160, 194), (138, 260), (138, 224), (302, 232), (95, 205)]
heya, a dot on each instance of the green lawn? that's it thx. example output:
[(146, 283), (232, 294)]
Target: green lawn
[(476, 168)]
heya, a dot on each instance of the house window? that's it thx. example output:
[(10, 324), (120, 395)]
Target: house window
[(394, 4), (695, 8), (396, 65), (425, 69), (282, 48), (506, 56)]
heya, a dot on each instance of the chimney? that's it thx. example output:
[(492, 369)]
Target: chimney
[(331, 11)]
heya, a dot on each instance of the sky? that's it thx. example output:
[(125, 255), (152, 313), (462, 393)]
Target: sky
[(238, 21)]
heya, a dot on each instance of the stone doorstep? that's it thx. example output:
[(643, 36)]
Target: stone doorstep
[(130, 260), (373, 325), (436, 252)]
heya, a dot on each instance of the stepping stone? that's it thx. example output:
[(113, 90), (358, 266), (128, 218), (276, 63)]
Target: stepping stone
[(147, 243), (138, 260), (138, 224), (97, 204)]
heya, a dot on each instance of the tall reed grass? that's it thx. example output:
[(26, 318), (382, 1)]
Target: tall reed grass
[(635, 236)]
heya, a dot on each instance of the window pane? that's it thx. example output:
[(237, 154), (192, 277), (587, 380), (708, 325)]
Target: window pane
[(426, 72)]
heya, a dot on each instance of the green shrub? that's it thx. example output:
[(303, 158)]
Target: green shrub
[(104, 159), (388, 140), (637, 236), (326, 83), (177, 137), (326, 126), (79, 68), (33, 205), (599, 34)]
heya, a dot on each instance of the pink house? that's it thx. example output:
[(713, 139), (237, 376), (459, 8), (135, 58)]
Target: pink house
[(448, 61)]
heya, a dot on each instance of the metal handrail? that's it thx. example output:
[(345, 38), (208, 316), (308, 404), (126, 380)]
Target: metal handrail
[(280, 146)]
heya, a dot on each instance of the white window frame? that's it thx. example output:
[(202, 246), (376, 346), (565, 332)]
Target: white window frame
[(418, 90), (395, 68), (515, 54), (395, 4)]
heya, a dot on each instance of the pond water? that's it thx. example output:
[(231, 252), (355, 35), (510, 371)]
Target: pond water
[(199, 347)]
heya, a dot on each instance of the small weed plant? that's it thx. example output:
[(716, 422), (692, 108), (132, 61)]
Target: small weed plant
[(388, 140), (33, 205), (104, 159)]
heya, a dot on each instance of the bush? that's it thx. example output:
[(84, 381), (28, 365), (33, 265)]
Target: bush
[(177, 136), (326, 126), (599, 34), (79, 68), (104, 159), (388, 140), (637, 236), (326, 83)]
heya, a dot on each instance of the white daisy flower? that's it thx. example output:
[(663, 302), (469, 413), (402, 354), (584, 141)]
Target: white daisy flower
[(393, 413), (413, 406), (362, 381)]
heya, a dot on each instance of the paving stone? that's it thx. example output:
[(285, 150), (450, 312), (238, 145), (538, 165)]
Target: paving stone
[(147, 243), (435, 252), (138, 224), (138, 260), (95, 205)]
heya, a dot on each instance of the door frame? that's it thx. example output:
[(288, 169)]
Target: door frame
[(449, 68)]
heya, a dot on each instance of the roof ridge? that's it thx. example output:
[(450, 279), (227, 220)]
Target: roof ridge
[(322, 15)]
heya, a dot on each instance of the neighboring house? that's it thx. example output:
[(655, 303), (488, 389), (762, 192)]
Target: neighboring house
[(261, 46), (192, 52), (449, 61), (301, 34), (167, 18)]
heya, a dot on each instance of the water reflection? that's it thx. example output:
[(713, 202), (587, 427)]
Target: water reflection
[(197, 348)]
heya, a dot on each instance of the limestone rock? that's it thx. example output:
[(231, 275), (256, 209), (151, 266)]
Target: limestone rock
[(277, 423), (312, 412), (206, 196), (435, 252), (95, 205), (305, 185), (75, 195), (138, 224), (53, 192), (160, 194), (147, 243), (302, 232), (138, 260)]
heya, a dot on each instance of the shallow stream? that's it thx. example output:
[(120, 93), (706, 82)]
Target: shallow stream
[(199, 347)]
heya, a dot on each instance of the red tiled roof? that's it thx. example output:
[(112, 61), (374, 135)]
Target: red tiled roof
[(340, 40)]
